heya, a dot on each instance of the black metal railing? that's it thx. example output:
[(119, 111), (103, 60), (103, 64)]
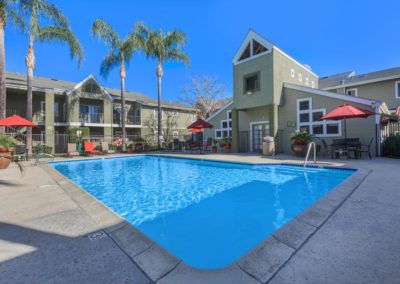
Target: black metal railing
[(130, 119), (86, 117)]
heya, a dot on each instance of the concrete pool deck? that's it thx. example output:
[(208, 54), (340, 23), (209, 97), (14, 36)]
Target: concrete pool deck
[(51, 231)]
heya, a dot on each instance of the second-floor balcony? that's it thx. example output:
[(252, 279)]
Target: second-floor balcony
[(86, 117), (130, 119)]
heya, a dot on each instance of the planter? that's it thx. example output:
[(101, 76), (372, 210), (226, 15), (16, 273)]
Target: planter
[(138, 147), (227, 149), (129, 150), (146, 148), (5, 161), (299, 150), (214, 149)]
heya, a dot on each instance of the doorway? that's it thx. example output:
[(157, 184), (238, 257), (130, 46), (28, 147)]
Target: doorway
[(258, 130)]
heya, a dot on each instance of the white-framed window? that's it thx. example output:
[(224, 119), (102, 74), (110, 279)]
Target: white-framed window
[(312, 84), (175, 113), (225, 129), (175, 134), (155, 114), (300, 77), (352, 92), (308, 120), (292, 73), (307, 81), (193, 117), (397, 89)]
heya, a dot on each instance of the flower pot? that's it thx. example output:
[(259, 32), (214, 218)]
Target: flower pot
[(227, 149), (146, 148), (129, 150), (299, 150), (214, 149), (5, 161)]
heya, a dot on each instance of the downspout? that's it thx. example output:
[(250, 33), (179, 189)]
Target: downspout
[(378, 128)]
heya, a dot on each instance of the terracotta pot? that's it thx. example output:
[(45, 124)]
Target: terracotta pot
[(227, 149), (146, 148), (129, 150), (4, 162), (214, 149), (299, 150)]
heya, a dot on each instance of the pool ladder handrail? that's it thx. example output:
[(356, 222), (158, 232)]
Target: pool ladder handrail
[(308, 153)]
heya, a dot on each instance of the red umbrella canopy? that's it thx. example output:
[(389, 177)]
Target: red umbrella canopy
[(397, 112), (200, 124), (16, 121), (347, 111)]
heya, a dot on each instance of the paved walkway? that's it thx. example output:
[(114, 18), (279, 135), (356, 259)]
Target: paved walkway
[(46, 237)]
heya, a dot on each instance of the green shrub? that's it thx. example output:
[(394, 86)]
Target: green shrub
[(391, 145), (42, 149), (73, 138), (6, 141), (300, 138)]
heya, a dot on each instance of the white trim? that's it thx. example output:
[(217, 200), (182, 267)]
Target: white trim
[(219, 111), (396, 89), (358, 100), (355, 92), (292, 73), (251, 131), (81, 83), (251, 35), (363, 82)]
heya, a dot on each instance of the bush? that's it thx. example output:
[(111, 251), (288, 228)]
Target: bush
[(391, 145), (300, 138), (42, 149), (6, 141), (73, 138)]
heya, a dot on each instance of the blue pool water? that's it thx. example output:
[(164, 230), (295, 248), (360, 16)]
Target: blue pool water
[(206, 213)]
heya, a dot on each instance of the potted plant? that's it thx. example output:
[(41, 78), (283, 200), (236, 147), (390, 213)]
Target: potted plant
[(300, 142), (6, 143), (146, 147), (214, 147), (225, 144), (129, 149)]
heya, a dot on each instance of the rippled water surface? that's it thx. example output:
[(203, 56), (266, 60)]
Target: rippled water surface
[(206, 213)]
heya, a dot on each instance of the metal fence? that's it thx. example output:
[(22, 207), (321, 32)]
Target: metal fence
[(251, 141), (390, 134)]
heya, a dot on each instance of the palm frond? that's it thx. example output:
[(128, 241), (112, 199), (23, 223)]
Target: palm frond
[(63, 35), (111, 61), (131, 44), (175, 38), (104, 31), (50, 12), (178, 55), (14, 17)]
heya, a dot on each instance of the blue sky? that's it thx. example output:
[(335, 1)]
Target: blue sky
[(330, 36)]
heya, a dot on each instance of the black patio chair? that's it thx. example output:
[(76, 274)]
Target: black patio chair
[(326, 149), (20, 153), (365, 149)]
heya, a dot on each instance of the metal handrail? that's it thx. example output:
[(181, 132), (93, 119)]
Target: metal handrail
[(308, 153)]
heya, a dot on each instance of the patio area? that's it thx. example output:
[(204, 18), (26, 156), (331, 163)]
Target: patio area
[(51, 232)]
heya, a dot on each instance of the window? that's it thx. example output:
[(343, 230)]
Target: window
[(308, 120), (246, 53), (312, 84), (175, 134), (397, 91), (251, 83), (300, 77), (56, 109), (43, 106), (174, 113), (292, 73), (155, 114), (226, 127), (193, 117), (155, 136), (351, 92), (258, 48), (307, 81)]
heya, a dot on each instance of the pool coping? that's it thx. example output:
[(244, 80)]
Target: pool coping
[(260, 264)]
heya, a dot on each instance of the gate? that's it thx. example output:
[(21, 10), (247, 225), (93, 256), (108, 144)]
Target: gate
[(390, 135), (60, 143)]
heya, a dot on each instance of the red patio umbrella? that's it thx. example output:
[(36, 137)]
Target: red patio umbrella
[(397, 112), (16, 121), (200, 124), (346, 111)]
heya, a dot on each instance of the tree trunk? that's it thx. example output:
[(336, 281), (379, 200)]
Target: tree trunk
[(159, 73), (122, 73), (30, 64), (3, 98)]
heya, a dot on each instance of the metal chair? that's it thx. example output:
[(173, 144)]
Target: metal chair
[(327, 149), (20, 153), (365, 149)]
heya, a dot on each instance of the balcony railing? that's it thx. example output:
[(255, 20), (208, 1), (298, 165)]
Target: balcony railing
[(61, 117), (91, 117), (130, 119)]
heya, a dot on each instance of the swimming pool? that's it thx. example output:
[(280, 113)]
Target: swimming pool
[(206, 213)]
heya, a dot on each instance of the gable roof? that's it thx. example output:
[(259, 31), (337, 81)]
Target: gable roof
[(43, 84), (359, 100), (252, 35), (354, 80)]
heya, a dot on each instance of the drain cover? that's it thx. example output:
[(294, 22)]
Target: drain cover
[(96, 236)]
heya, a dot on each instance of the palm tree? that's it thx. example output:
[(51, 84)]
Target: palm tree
[(120, 53), (163, 47), (57, 30), (9, 14)]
